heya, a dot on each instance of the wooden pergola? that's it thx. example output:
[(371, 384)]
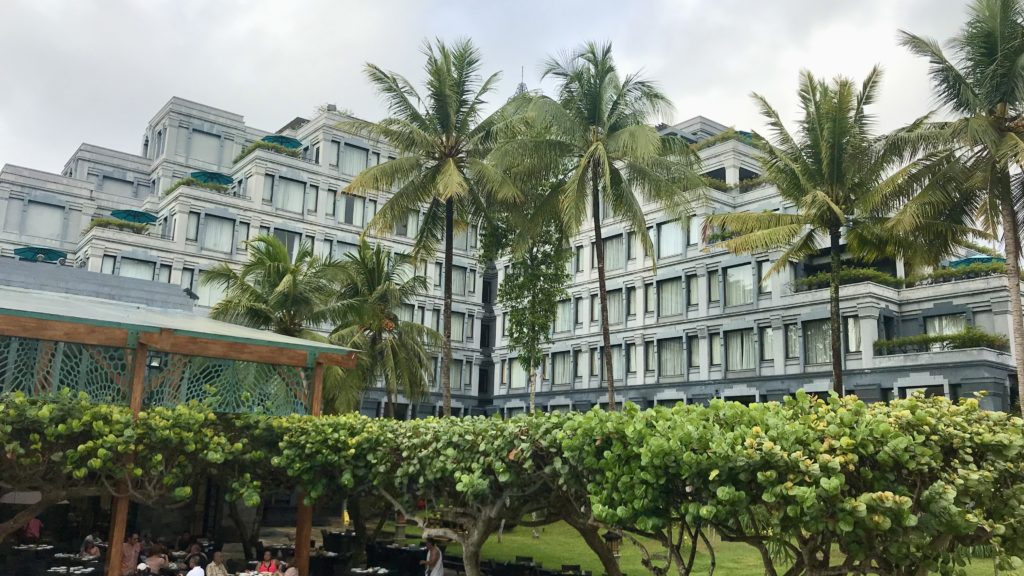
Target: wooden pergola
[(53, 318)]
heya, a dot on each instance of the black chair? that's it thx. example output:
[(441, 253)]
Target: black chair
[(524, 559), (571, 569)]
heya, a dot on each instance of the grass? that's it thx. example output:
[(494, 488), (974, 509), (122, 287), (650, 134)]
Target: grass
[(559, 544)]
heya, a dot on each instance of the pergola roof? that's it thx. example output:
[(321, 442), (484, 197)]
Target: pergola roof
[(67, 317)]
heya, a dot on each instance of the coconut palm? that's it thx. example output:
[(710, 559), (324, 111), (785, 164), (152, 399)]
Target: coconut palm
[(599, 140), (376, 285), (842, 179), (442, 139), (983, 86)]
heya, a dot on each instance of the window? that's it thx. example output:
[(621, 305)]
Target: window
[(693, 230), (43, 221), (312, 198), (614, 253), (617, 362), (460, 239), (289, 239), (631, 246), (670, 297), (945, 324), (693, 351), (335, 154), (371, 209), (595, 308), (374, 158), (715, 346), (739, 285), (714, 289), (243, 234), (458, 326), (670, 357), (458, 280), (409, 227), (764, 287), (352, 209), (739, 350), (406, 312), (577, 364), (649, 298), (595, 361), (268, 188), (219, 234), (649, 356), (209, 294), (504, 327), (470, 326), (290, 194), (817, 342), (332, 202), (692, 290), (438, 273), (455, 374), (205, 147), (607, 210), (593, 256), (471, 281), (579, 258), (192, 227), (563, 317), (562, 365), (631, 358), (852, 325), (615, 306), (264, 230), (631, 302), (670, 239), (326, 247), (164, 273), (504, 373), (341, 249), (107, 266), (767, 341), (187, 277), (578, 310), (792, 345), (316, 154), (353, 159)]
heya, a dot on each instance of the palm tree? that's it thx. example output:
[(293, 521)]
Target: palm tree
[(276, 291), (841, 178), (376, 284), (600, 141), (442, 140), (984, 86)]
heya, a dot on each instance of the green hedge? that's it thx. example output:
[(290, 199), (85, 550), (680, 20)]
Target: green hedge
[(971, 337), (943, 275), (193, 183), (109, 222), (261, 145), (847, 276)]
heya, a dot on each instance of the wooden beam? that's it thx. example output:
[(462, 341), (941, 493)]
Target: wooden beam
[(168, 341), (317, 401), (303, 532), (138, 390), (347, 360), (60, 331), (119, 510)]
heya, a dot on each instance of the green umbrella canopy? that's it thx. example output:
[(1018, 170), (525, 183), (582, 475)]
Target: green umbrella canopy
[(137, 216), (212, 178), (286, 141), (976, 259), (39, 254)]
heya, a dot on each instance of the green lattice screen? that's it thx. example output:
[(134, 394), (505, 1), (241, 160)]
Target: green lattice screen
[(41, 367)]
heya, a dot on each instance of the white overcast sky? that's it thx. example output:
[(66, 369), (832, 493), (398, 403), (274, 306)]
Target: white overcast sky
[(97, 70)]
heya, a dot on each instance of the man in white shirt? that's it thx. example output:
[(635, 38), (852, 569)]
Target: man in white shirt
[(194, 569)]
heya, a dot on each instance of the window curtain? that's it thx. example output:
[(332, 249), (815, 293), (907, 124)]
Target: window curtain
[(767, 343), (562, 368), (268, 187), (458, 323), (853, 334), (693, 231), (715, 345), (460, 239), (670, 239), (518, 374), (563, 319), (739, 350), (693, 349), (615, 307), (291, 194), (614, 253), (210, 294), (352, 210), (353, 160), (739, 285), (617, 362), (455, 374), (670, 297), (131, 268), (792, 344), (290, 240), (458, 280), (714, 290), (817, 342), (670, 357), (406, 312), (945, 324), (219, 234), (335, 153)]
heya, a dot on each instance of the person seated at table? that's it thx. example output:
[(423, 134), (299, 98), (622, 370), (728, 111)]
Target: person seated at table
[(32, 531), (293, 571), (196, 551), (184, 541), (194, 569), (217, 568), (89, 549), (156, 558), (268, 565)]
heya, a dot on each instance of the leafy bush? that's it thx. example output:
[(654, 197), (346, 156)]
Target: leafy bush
[(193, 183), (261, 145), (847, 276), (108, 222), (943, 275), (971, 337)]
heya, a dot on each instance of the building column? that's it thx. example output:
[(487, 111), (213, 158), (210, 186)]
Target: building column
[(779, 346), (868, 317)]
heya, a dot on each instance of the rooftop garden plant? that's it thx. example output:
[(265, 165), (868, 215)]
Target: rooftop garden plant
[(261, 145)]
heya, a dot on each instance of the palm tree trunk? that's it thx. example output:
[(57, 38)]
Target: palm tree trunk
[(446, 344), (835, 321), (533, 388), (1011, 240), (390, 409), (602, 288)]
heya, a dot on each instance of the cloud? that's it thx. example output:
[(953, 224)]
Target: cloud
[(97, 71)]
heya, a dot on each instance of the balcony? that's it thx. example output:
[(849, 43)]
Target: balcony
[(933, 358)]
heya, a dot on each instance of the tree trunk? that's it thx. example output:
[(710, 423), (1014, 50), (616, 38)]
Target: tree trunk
[(19, 520), (389, 410), (591, 535), (533, 388), (602, 288), (1011, 240), (248, 535), (471, 547), (358, 520), (446, 344), (835, 319)]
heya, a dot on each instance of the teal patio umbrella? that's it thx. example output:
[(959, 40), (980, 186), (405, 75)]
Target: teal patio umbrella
[(39, 254), (137, 216), (211, 178), (976, 259), (286, 141)]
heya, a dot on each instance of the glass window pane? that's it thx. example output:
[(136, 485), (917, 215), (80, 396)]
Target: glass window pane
[(670, 357), (670, 297), (739, 285), (670, 239), (739, 350), (817, 342)]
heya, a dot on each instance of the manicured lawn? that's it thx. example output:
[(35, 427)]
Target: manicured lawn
[(559, 544)]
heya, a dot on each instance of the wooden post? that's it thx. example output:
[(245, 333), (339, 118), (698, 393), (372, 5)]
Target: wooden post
[(119, 509), (304, 515)]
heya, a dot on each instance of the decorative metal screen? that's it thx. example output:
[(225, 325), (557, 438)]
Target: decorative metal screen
[(41, 367), (227, 385)]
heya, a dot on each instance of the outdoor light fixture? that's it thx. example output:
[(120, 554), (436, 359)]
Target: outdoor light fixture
[(155, 362), (614, 542)]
